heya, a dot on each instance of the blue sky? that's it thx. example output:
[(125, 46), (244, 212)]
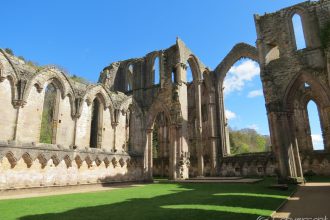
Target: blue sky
[(85, 36)]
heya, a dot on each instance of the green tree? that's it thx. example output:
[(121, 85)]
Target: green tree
[(247, 140)]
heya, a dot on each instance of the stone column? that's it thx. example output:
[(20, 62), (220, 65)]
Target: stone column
[(212, 134), (114, 126), (148, 155), (173, 153), (18, 104), (198, 101), (182, 117), (222, 122), (280, 142)]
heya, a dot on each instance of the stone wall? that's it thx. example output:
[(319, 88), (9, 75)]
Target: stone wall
[(68, 159), (291, 78), (193, 123), (42, 165)]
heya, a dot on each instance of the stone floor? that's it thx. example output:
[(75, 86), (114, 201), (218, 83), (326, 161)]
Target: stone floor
[(311, 201), (60, 190)]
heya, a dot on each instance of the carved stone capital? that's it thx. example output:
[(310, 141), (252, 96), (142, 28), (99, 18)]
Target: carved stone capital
[(181, 65), (89, 102), (18, 103)]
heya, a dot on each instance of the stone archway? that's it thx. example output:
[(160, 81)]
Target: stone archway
[(293, 122), (155, 110)]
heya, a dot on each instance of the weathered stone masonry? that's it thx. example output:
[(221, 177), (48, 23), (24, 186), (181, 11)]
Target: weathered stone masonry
[(115, 141)]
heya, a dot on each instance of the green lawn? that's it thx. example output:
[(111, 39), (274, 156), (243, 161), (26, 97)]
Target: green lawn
[(154, 201)]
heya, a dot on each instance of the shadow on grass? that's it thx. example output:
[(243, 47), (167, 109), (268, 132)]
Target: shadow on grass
[(321, 179), (184, 201)]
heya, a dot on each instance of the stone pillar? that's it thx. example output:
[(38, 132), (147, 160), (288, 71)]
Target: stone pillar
[(182, 117), (280, 142), (148, 155), (222, 122), (212, 134), (114, 126), (17, 105), (173, 153), (300, 173), (198, 106)]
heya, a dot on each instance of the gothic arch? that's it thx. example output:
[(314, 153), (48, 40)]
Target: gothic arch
[(195, 67), (100, 92), (14, 72), (310, 28), (241, 50), (49, 74), (154, 110), (319, 92)]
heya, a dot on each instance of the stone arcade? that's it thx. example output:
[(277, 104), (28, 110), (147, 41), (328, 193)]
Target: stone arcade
[(105, 132)]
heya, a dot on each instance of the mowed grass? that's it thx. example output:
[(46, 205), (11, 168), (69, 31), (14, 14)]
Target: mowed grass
[(154, 201)]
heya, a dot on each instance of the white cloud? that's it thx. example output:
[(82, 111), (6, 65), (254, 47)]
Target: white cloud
[(253, 126), (229, 114), (317, 141), (255, 93), (238, 75)]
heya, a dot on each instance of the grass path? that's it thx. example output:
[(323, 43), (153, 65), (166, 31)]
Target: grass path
[(154, 201)]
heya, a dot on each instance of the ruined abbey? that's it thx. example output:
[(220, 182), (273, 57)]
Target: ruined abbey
[(57, 131)]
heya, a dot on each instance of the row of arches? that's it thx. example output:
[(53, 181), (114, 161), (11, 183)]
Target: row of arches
[(50, 112), (156, 74)]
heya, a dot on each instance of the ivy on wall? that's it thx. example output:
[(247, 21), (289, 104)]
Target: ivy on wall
[(325, 36)]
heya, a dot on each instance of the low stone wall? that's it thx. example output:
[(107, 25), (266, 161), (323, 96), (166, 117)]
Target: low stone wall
[(315, 162), (29, 165), (252, 164)]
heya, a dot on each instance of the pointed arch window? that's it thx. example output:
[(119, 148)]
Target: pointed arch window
[(315, 126), (298, 32), (49, 115), (129, 78), (96, 124), (156, 72)]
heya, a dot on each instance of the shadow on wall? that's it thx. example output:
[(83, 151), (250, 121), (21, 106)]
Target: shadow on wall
[(175, 201)]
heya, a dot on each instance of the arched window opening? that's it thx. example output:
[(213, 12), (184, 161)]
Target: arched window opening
[(173, 77), (315, 126), (160, 146), (156, 72), (49, 115), (190, 77), (129, 78), (246, 127), (96, 130), (273, 54), (298, 32)]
